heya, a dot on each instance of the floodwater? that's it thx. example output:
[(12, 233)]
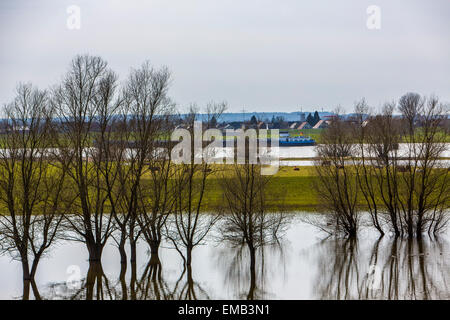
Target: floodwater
[(303, 155), (304, 265)]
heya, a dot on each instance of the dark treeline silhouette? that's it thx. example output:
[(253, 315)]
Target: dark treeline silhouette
[(313, 119)]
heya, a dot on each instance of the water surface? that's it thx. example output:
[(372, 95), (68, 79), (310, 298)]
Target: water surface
[(303, 266)]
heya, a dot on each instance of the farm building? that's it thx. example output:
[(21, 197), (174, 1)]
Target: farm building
[(304, 125), (321, 124)]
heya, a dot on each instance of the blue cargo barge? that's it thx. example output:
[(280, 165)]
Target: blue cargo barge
[(296, 142), (286, 140)]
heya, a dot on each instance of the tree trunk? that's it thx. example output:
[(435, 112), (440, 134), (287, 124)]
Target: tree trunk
[(154, 259), (94, 275), (36, 293), (26, 289), (251, 290), (419, 227), (133, 255), (188, 256), (26, 278), (26, 269), (154, 247), (133, 280), (95, 251), (123, 282), (190, 282), (410, 225), (123, 253)]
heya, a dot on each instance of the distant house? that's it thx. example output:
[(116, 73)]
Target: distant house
[(262, 125), (321, 124), (234, 125), (304, 125)]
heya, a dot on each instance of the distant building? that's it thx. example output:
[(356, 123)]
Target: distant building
[(321, 124), (234, 125), (262, 125), (304, 125)]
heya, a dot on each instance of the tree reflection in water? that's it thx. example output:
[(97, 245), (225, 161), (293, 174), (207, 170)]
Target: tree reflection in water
[(389, 269), (385, 268), (246, 280), (149, 284), (95, 286), (188, 289)]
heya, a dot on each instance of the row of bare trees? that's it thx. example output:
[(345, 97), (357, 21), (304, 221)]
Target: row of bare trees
[(392, 166), (89, 160)]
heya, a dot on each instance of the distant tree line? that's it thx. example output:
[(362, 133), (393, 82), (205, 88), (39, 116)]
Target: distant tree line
[(313, 120)]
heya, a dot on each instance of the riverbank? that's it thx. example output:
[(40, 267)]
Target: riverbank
[(290, 190)]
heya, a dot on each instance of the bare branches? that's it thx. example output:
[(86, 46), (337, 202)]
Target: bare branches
[(85, 102), (32, 191), (189, 227), (337, 184), (399, 166)]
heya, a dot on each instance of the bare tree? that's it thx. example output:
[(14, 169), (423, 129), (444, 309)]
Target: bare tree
[(189, 227), (399, 166), (147, 123), (156, 194), (365, 172), (31, 190), (246, 219), (379, 167), (86, 91), (337, 183), (424, 197)]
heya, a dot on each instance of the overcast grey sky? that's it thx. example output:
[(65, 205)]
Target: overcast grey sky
[(264, 55)]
